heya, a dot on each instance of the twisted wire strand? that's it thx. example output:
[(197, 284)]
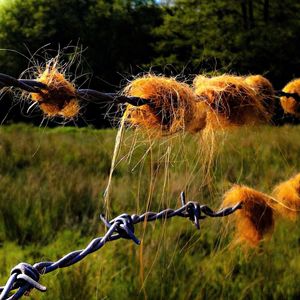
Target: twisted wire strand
[(25, 277), (88, 95), (91, 95)]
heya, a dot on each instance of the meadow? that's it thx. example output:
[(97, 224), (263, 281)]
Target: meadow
[(51, 194)]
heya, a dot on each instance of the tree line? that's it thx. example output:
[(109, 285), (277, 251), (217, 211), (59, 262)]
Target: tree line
[(123, 38)]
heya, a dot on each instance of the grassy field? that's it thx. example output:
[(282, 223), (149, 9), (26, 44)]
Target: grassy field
[(51, 194)]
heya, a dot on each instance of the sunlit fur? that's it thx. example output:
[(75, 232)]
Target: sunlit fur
[(264, 90), (255, 219), (230, 101), (173, 106), (59, 99), (289, 104), (287, 194)]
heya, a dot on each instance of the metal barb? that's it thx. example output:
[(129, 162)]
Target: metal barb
[(182, 198), (25, 277), (194, 212)]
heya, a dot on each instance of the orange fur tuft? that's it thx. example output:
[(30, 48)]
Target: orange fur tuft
[(60, 97), (264, 90), (288, 195), (173, 105), (289, 104), (255, 219), (230, 100)]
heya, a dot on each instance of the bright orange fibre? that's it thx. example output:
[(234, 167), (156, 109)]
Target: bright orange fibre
[(255, 219), (59, 99), (289, 104), (172, 105), (288, 195), (230, 101)]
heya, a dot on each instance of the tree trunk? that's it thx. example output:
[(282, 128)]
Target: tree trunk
[(266, 10), (244, 13), (251, 13)]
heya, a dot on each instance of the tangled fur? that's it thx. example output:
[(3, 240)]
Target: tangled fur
[(172, 105), (264, 90), (289, 104), (288, 196), (230, 101), (60, 97), (255, 219)]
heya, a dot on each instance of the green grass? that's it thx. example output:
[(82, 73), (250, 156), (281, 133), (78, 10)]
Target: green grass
[(51, 187)]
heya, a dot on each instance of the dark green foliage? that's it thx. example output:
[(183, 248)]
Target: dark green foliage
[(241, 36), (126, 37), (117, 34), (121, 36)]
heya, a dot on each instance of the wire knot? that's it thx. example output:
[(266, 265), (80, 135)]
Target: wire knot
[(124, 227), (27, 274), (23, 277), (193, 210)]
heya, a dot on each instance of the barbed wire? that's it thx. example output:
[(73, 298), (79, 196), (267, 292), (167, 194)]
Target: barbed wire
[(91, 95), (25, 277)]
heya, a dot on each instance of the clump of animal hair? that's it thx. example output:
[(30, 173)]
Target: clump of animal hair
[(264, 90), (289, 104), (59, 98), (254, 221), (172, 105), (230, 101), (287, 194)]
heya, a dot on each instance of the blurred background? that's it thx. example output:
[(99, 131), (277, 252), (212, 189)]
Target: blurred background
[(122, 38)]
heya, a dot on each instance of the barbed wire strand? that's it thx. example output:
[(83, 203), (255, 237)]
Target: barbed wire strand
[(25, 277), (90, 95)]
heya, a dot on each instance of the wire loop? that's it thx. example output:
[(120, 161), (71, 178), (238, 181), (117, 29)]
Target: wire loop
[(23, 277)]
